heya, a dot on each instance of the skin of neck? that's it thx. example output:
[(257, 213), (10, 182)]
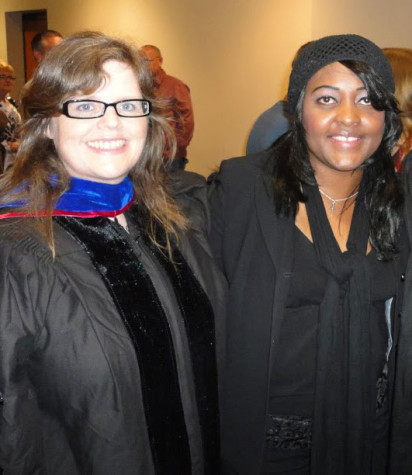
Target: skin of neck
[(339, 184)]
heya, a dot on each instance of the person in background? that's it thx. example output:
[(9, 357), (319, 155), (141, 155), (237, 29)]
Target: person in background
[(272, 123), (401, 64), (269, 126), (43, 42), (109, 297), (309, 235), (180, 110), (9, 136)]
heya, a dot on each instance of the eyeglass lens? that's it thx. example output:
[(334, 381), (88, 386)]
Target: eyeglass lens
[(92, 109)]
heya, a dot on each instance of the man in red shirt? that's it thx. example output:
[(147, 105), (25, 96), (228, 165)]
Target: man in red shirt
[(181, 110)]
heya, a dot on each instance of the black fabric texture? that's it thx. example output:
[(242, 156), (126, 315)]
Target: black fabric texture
[(250, 240), (71, 396), (334, 48), (197, 313), (401, 430), (128, 283), (344, 412)]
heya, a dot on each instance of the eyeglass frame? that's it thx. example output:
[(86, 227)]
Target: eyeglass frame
[(65, 108), (3, 76)]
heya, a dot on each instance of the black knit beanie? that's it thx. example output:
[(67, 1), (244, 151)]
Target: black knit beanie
[(330, 49)]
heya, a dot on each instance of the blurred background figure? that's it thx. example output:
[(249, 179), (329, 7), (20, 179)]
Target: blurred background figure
[(269, 126), (8, 133), (272, 123), (401, 64), (43, 42), (180, 111)]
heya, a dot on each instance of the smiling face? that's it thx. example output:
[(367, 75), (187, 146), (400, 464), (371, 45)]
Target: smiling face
[(104, 149), (342, 128)]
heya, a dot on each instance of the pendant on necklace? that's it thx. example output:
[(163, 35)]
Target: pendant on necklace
[(337, 200)]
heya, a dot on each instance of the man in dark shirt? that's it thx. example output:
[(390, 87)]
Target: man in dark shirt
[(181, 110)]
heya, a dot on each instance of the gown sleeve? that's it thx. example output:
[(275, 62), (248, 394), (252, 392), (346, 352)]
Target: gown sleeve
[(26, 295)]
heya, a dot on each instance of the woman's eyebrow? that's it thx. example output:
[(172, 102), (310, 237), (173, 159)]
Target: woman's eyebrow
[(335, 88)]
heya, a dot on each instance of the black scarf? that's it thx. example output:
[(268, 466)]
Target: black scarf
[(345, 395)]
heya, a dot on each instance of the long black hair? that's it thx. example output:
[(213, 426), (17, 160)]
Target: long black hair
[(383, 190)]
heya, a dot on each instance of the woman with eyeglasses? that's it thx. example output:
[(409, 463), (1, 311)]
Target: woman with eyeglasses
[(109, 297), (8, 134)]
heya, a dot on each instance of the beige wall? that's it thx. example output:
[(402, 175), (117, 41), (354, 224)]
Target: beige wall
[(14, 6), (386, 23), (234, 54)]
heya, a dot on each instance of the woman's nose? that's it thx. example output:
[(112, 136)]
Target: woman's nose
[(110, 118), (348, 113)]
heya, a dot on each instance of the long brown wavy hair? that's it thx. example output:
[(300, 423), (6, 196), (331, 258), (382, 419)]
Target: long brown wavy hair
[(75, 67)]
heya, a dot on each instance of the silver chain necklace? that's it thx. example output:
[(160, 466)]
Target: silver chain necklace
[(338, 200)]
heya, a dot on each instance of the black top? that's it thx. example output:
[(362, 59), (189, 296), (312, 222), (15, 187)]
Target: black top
[(293, 374)]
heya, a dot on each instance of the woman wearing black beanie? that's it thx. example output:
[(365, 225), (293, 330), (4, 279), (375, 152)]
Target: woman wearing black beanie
[(309, 235)]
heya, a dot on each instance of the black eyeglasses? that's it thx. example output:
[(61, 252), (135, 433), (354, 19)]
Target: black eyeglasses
[(89, 109)]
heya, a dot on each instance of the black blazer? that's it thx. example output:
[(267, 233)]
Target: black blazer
[(249, 239), (254, 248)]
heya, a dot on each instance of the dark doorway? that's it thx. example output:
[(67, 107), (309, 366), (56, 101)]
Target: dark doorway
[(32, 23), (21, 26)]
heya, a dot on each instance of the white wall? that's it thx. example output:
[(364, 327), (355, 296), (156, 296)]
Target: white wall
[(234, 54)]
